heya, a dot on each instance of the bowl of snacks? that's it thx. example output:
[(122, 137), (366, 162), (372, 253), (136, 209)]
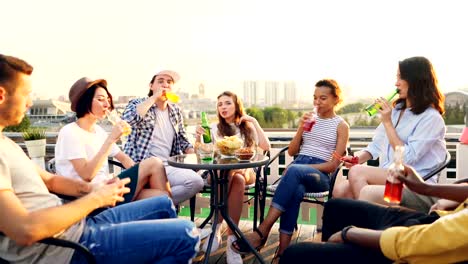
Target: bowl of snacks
[(228, 145), (245, 154)]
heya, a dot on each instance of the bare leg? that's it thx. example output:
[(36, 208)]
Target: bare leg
[(236, 187), (284, 241), (151, 171), (373, 193), (264, 228), (235, 198), (342, 190), (361, 176)]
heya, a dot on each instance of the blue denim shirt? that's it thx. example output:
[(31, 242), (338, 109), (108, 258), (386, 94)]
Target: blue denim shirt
[(423, 136), (138, 143)]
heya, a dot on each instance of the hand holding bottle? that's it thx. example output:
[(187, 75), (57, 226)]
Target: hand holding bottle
[(393, 185), (374, 108), (349, 161), (412, 180)]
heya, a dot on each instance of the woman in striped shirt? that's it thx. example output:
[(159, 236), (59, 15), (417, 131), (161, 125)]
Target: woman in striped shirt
[(309, 172)]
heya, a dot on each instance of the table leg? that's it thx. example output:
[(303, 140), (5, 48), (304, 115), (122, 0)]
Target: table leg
[(214, 209), (224, 212), (213, 197), (219, 203)]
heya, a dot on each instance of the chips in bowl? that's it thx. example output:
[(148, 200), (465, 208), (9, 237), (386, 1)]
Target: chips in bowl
[(229, 145)]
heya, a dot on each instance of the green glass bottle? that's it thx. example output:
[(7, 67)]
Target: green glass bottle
[(205, 124), (373, 109)]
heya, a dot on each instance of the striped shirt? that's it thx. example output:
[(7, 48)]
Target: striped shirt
[(320, 142)]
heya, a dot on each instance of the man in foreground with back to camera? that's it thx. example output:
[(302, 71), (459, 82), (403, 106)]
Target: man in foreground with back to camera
[(138, 232)]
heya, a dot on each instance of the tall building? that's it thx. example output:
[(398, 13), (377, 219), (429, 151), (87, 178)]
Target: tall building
[(251, 92), (272, 93), (201, 90), (290, 93)]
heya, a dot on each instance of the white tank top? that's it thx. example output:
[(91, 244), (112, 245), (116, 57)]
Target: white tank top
[(320, 142)]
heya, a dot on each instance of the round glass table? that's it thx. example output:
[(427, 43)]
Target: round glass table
[(218, 170)]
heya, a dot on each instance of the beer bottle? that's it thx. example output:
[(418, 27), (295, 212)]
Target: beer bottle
[(373, 109), (205, 124)]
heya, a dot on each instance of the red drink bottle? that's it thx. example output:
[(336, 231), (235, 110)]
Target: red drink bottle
[(393, 186)]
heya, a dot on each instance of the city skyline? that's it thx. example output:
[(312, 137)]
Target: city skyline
[(222, 44)]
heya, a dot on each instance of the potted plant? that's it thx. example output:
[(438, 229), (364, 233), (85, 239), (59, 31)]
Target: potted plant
[(35, 140)]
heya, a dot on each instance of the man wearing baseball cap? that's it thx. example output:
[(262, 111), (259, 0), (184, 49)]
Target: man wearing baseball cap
[(158, 130)]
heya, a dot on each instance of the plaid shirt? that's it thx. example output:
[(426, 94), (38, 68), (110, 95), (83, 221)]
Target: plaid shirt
[(138, 143)]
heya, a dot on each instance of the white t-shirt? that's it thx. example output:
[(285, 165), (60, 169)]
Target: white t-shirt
[(73, 142), (163, 135), (18, 173)]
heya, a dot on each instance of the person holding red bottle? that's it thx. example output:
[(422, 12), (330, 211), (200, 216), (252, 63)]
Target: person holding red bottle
[(363, 232)]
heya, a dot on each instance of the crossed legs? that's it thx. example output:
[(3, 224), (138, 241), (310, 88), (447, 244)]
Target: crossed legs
[(152, 173), (359, 177)]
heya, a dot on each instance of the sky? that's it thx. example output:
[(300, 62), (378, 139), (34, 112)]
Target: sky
[(221, 43)]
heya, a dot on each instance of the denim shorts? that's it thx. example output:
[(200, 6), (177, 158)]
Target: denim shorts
[(131, 173)]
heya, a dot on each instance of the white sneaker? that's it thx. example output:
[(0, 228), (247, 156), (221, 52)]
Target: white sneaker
[(205, 232), (231, 256), (216, 241)]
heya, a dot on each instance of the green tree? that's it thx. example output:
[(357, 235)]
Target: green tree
[(25, 124), (257, 113), (275, 117), (454, 115), (351, 108)]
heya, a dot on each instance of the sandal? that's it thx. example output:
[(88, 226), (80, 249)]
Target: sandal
[(276, 258), (241, 246)]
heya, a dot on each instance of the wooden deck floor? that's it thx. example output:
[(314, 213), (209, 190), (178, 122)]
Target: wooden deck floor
[(304, 233)]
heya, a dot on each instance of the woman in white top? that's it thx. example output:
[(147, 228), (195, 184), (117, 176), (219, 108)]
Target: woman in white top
[(414, 121), (234, 121), (83, 147)]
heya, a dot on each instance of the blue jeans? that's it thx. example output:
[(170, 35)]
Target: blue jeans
[(144, 231), (299, 179)]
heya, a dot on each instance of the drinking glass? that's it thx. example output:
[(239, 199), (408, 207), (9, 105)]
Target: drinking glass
[(205, 151), (114, 118), (309, 123), (172, 97)]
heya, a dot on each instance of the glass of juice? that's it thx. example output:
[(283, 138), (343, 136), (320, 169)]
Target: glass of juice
[(114, 118)]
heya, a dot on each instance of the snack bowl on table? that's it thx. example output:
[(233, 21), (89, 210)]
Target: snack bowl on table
[(245, 154), (228, 146)]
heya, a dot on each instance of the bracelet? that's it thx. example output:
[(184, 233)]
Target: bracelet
[(344, 233)]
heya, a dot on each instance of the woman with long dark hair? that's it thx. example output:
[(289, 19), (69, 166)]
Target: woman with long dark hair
[(413, 121)]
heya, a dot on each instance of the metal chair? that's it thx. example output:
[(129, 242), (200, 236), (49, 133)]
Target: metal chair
[(440, 167), (312, 197), (50, 167), (83, 251)]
